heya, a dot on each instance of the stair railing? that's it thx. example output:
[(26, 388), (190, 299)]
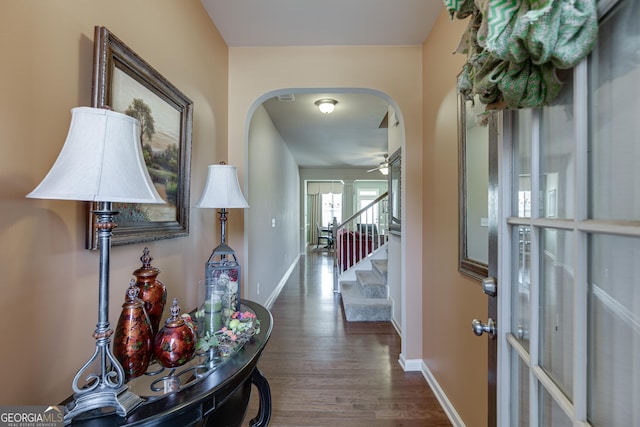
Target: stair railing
[(361, 234)]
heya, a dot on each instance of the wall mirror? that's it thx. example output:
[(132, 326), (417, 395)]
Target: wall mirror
[(473, 169), (394, 193)]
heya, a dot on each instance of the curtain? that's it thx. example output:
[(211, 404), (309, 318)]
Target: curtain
[(326, 187), (315, 215)]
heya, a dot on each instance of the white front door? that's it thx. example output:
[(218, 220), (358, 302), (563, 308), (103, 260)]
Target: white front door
[(569, 252)]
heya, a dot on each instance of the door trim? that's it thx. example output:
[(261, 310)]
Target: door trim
[(494, 197), (503, 270)]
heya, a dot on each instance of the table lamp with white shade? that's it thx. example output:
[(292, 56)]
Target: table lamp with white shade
[(101, 161), (222, 270)]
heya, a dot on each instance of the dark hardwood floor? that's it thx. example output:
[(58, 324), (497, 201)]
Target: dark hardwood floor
[(325, 371)]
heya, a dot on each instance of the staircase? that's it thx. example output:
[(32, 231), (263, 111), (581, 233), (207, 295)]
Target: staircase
[(360, 263), (366, 298)]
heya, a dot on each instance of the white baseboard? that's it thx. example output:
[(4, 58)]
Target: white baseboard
[(418, 365), (410, 365), (272, 298), (395, 324), (449, 409)]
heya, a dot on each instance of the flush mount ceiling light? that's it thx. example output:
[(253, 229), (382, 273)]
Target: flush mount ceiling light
[(326, 106)]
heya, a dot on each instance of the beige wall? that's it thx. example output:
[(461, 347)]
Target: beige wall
[(48, 300), (455, 356), (392, 71)]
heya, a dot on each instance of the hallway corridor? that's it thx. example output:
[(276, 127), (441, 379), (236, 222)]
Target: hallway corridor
[(324, 371)]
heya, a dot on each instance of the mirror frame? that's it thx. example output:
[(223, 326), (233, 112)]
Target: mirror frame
[(468, 266), (395, 196)]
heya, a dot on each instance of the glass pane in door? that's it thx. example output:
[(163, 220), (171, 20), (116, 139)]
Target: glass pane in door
[(557, 154), (614, 331), (522, 163), (556, 307), (551, 415), (520, 385), (615, 116), (521, 293)]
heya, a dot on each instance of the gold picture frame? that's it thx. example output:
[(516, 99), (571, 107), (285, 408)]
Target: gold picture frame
[(124, 82)]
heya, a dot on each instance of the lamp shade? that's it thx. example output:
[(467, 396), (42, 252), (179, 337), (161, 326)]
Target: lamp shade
[(101, 161), (222, 189)]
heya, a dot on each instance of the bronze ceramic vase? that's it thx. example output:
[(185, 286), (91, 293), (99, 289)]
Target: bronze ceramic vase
[(152, 291), (133, 339), (175, 343)]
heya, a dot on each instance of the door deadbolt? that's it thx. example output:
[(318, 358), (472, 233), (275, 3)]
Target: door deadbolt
[(490, 286), (480, 328)]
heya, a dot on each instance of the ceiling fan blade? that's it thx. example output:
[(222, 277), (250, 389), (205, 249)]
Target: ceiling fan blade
[(382, 165)]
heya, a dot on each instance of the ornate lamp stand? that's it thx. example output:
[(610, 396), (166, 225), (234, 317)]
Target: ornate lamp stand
[(106, 389)]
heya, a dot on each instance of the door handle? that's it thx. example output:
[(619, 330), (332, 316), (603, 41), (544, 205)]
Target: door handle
[(480, 328)]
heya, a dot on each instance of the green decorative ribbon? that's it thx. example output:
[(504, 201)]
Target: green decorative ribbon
[(513, 47)]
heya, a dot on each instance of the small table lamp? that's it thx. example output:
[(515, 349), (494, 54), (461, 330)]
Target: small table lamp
[(222, 270), (101, 161)]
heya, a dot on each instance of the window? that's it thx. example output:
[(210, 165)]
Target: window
[(331, 208)]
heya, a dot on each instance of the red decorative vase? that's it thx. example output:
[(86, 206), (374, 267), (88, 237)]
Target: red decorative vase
[(152, 291), (175, 343), (133, 339)]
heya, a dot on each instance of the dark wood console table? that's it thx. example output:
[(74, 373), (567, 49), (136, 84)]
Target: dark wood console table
[(218, 398)]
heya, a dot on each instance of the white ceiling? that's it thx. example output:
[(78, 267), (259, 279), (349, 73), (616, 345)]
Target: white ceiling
[(350, 136), (323, 22)]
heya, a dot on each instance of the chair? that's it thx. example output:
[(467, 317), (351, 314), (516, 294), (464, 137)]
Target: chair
[(324, 234)]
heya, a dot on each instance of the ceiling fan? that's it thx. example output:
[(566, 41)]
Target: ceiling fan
[(383, 167)]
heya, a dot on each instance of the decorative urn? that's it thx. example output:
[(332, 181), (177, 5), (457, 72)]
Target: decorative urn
[(152, 291), (175, 343), (133, 338)]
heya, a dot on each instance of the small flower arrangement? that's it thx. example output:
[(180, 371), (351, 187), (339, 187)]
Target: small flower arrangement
[(244, 321), (241, 327)]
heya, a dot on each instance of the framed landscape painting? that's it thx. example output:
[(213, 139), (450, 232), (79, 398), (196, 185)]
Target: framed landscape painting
[(125, 83)]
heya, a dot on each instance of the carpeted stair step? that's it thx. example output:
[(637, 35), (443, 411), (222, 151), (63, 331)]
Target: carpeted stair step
[(372, 286), (358, 308), (379, 267)]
